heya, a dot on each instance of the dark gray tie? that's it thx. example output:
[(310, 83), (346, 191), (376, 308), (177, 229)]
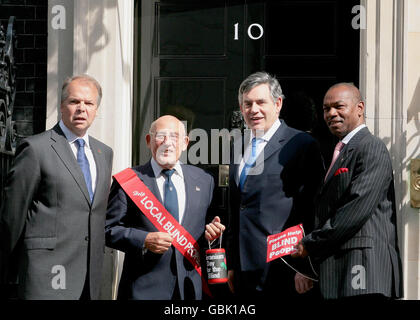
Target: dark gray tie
[(170, 195), (84, 165)]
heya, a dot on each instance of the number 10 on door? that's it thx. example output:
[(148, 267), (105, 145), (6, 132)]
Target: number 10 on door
[(255, 31)]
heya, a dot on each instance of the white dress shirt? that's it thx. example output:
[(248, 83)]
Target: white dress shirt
[(260, 146), (350, 135), (178, 181), (71, 138)]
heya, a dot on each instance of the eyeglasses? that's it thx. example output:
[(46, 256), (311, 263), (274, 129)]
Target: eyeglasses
[(160, 136)]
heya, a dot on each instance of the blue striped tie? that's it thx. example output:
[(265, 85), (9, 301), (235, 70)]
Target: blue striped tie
[(249, 163), (170, 195), (84, 165)]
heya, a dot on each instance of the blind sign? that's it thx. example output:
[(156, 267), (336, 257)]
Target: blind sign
[(282, 244)]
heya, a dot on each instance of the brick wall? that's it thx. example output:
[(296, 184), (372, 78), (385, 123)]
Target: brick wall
[(31, 61)]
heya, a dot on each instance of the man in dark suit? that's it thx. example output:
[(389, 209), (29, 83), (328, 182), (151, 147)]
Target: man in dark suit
[(355, 237), (273, 194), (53, 216), (153, 269)]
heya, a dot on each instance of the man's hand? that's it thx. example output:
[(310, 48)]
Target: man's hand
[(301, 251), (303, 284), (214, 229), (158, 242)]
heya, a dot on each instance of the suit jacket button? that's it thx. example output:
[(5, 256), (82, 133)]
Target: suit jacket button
[(87, 238), (243, 207)]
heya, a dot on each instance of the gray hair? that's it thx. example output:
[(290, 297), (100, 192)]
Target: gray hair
[(258, 78), (85, 77)]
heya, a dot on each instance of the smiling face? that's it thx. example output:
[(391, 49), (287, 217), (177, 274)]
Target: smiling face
[(78, 110), (167, 140), (343, 110), (258, 108)]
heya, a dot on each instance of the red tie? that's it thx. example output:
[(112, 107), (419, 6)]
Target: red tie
[(337, 150)]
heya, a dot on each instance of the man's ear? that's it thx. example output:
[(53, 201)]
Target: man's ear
[(186, 142), (279, 104), (240, 108), (361, 108), (148, 139)]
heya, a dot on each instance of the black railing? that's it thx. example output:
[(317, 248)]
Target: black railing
[(8, 132)]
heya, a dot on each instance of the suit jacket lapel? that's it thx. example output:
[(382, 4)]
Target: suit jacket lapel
[(99, 158), (274, 144), (347, 151), (149, 179), (190, 189), (276, 141), (237, 152), (63, 150), (344, 154)]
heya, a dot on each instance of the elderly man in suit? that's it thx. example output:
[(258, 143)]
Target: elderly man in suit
[(153, 268), (53, 216), (355, 237), (272, 186)]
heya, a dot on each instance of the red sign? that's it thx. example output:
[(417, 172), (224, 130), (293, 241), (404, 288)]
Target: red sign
[(282, 244)]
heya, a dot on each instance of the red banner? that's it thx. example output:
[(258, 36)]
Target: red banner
[(150, 206), (282, 244)]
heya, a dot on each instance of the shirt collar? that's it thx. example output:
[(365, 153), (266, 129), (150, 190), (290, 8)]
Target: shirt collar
[(71, 137), (157, 169), (270, 132), (350, 135)]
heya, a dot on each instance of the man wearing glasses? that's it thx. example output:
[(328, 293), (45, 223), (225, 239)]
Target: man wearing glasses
[(153, 268)]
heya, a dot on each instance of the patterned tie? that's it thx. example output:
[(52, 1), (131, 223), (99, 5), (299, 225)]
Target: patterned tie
[(337, 150), (170, 196), (84, 165), (249, 163)]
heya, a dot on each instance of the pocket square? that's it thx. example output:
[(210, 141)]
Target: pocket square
[(340, 171), (197, 189)]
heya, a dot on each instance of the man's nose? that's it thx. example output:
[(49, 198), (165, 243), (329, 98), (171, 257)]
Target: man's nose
[(81, 106), (167, 140), (254, 107), (331, 113)]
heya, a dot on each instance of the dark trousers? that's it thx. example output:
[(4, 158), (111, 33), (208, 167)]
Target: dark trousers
[(278, 283), (85, 296), (176, 295), (189, 293)]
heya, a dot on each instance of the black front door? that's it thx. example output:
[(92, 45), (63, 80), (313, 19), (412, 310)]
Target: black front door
[(192, 56)]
